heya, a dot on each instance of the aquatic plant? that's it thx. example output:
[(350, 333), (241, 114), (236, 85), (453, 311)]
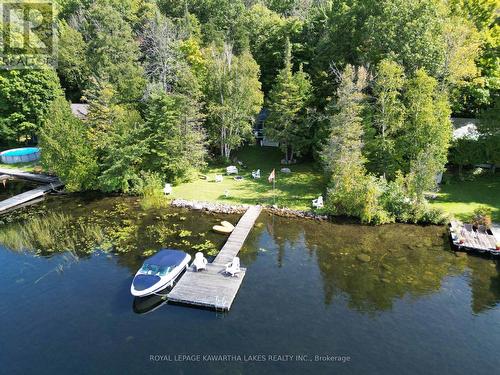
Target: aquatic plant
[(208, 247), (184, 233), (52, 232)]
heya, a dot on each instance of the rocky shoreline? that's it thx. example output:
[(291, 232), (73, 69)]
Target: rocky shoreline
[(241, 208)]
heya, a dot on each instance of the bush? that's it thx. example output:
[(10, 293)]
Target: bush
[(151, 191), (430, 215), (396, 202), (372, 209)]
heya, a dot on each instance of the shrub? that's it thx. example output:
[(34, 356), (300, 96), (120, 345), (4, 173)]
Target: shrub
[(395, 200), (151, 190), (430, 215), (372, 209)]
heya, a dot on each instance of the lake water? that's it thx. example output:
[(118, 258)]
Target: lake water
[(389, 300)]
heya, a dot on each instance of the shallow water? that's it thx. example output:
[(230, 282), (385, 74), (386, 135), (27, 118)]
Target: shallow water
[(392, 299)]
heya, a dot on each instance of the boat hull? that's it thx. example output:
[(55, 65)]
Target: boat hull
[(158, 283)]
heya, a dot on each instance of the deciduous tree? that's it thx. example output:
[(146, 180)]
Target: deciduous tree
[(67, 150), (233, 97)]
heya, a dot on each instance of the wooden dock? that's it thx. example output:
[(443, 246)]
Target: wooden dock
[(472, 239), (17, 173), (27, 196), (211, 288)]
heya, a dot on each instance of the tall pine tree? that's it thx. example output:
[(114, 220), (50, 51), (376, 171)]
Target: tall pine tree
[(288, 102)]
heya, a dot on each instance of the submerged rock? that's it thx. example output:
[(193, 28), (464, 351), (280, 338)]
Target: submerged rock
[(363, 257)]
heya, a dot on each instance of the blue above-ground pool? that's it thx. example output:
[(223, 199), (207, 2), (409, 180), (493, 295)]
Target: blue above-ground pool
[(20, 155)]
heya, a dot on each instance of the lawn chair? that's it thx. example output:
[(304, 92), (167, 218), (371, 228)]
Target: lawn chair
[(256, 174), (199, 262), (232, 170), (481, 229), (167, 189), (233, 268), (218, 178), (318, 203), (466, 229)]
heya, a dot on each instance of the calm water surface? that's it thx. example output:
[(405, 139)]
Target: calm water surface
[(393, 298)]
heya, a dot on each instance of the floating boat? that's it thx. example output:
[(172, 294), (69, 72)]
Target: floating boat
[(159, 272), (225, 228)]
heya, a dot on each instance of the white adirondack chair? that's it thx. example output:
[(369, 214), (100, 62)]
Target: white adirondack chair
[(232, 170), (167, 189), (218, 178), (233, 268), (318, 203), (199, 262), (256, 174)]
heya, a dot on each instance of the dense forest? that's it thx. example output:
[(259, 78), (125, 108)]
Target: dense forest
[(365, 87)]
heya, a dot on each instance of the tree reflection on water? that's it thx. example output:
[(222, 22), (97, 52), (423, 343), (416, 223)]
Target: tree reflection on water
[(370, 267)]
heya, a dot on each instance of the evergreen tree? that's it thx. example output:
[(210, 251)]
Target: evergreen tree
[(174, 139), (114, 133), (342, 153), (288, 102)]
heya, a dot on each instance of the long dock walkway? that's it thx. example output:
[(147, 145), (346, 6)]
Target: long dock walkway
[(27, 196), (211, 287)]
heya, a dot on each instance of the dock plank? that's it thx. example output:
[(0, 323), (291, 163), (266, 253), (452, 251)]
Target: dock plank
[(28, 196), (207, 288), (211, 287), (474, 240)]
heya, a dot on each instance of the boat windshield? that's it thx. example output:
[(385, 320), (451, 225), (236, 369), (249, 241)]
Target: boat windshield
[(153, 269)]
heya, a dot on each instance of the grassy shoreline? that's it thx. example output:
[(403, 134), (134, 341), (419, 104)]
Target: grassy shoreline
[(294, 190), (461, 198), (297, 189)]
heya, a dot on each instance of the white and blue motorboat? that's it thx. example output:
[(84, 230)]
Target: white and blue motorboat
[(159, 272)]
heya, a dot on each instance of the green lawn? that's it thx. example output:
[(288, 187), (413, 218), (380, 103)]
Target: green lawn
[(460, 198), (294, 190)]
